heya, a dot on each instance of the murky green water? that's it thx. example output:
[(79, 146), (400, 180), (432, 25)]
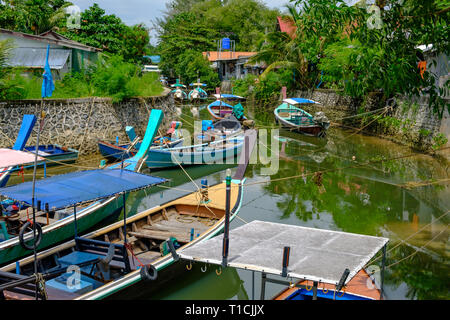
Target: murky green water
[(350, 195)]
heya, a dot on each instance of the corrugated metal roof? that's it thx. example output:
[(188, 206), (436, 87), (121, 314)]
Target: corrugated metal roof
[(35, 58)]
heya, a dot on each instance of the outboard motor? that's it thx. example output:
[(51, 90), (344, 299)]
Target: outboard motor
[(321, 119)]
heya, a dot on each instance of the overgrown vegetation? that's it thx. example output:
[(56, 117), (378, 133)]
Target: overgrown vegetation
[(196, 25), (114, 78), (362, 48), (118, 77)]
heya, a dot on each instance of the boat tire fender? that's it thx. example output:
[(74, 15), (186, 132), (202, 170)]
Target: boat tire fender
[(38, 235), (149, 272)]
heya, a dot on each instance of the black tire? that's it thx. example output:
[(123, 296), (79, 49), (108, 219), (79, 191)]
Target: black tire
[(38, 236), (149, 272)]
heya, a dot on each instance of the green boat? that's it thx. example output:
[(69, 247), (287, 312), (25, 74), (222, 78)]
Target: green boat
[(83, 192)]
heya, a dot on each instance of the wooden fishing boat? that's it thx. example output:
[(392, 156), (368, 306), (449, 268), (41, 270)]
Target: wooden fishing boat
[(197, 93), (114, 258), (289, 116), (214, 152), (219, 130), (178, 91), (80, 191), (356, 289), (114, 151), (9, 161), (55, 154), (219, 109)]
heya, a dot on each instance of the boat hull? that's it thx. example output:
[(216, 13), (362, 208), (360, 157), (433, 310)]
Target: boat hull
[(216, 204), (311, 130), (62, 230), (159, 159), (356, 289)]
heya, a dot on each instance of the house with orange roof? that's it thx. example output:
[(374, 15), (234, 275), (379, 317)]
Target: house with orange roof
[(233, 64), (287, 24)]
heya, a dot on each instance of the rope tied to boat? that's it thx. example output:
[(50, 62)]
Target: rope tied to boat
[(129, 248), (40, 283)]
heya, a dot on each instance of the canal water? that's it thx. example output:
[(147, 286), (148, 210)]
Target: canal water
[(346, 182)]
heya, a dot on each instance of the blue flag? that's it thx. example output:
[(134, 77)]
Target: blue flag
[(47, 84)]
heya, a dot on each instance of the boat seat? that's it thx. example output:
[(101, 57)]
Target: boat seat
[(43, 220), (102, 248)]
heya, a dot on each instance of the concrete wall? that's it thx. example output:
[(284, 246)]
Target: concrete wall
[(79, 123), (412, 122)]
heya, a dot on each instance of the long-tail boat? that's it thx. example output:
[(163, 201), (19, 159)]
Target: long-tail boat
[(120, 255), (83, 193), (178, 91), (119, 151), (291, 117), (197, 93)]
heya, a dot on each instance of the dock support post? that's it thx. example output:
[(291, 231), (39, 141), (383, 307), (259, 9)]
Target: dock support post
[(253, 285), (315, 284), (263, 285), (226, 231), (383, 264)]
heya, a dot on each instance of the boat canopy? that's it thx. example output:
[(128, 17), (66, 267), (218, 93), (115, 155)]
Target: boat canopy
[(76, 188), (198, 84), (295, 101), (12, 158), (178, 85), (228, 96), (315, 254), (220, 103)]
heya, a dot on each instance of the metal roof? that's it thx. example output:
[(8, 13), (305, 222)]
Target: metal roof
[(315, 254), (35, 58), (51, 37)]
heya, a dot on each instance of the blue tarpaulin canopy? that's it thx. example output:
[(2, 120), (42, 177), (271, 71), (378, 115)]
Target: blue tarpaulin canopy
[(218, 103), (295, 101), (80, 187)]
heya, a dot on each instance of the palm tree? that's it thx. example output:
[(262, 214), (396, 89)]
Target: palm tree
[(281, 51)]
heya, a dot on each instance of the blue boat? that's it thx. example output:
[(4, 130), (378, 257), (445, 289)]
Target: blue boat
[(216, 152), (114, 151)]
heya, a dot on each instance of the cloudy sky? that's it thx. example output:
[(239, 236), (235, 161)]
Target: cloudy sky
[(143, 11)]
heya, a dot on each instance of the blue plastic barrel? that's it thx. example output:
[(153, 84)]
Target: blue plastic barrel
[(226, 44)]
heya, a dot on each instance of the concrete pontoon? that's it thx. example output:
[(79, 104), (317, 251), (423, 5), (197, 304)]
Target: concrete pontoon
[(321, 256)]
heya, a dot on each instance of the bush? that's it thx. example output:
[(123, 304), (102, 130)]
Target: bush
[(115, 78)]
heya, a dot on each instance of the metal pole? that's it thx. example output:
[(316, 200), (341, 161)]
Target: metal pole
[(253, 285), (33, 194), (226, 232), (75, 220), (315, 284), (263, 285), (383, 264), (124, 219)]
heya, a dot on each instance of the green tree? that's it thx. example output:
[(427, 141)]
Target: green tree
[(32, 16), (110, 34), (193, 65)]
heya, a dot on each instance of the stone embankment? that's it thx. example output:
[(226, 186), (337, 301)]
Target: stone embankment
[(79, 123)]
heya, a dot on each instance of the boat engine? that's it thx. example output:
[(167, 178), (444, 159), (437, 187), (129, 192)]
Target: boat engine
[(321, 119)]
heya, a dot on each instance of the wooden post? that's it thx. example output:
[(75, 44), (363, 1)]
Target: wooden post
[(315, 284)]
